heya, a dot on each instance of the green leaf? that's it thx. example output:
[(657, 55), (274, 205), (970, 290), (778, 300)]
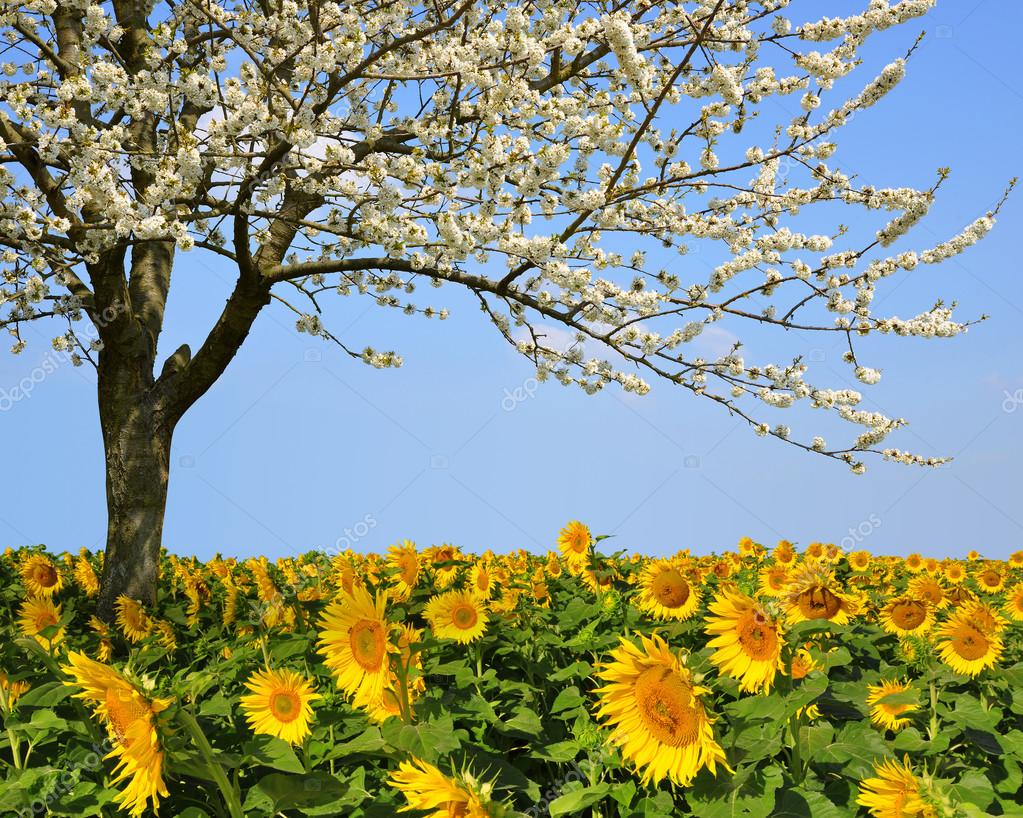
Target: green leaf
[(815, 737), (809, 691), (968, 712), (576, 670), (573, 614), (909, 740), (578, 800), (855, 749), (568, 698), (983, 741), (1012, 743), (216, 705), (758, 741), (45, 695), (296, 791), (747, 794), (524, 722), (974, 788), (270, 751), (369, 741), (758, 708), (796, 802), (559, 751), (426, 740)]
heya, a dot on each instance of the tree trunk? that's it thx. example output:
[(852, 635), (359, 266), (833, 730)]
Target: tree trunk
[(136, 441)]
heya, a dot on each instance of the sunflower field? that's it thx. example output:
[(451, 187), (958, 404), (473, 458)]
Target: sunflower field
[(762, 682)]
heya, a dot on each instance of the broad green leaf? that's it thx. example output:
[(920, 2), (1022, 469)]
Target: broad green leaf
[(574, 802), (974, 788), (270, 751), (855, 749), (297, 791), (750, 793), (797, 802), (568, 698)]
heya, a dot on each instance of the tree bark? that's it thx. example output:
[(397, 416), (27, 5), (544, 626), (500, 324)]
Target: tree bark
[(136, 442)]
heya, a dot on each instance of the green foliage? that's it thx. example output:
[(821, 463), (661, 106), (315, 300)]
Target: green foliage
[(516, 708)]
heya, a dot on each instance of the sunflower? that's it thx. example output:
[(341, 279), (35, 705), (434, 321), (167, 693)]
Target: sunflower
[(906, 615), (859, 560), (954, 572), (803, 664), (85, 576), (541, 594), (601, 579), (481, 580), (344, 571), (457, 615), (1014, 602), (133, 620), (40, 576), (928, 589), (889, 702), (894, 792), (507, 603), (106, 647), (656, 713), (983, 617), (747, 640), (427, 789), (813, 593), (574, 542), (279, 704), (783, 553), (444, 559), (665, 593), (914, 563), (354, 640), (964, 646), (989, 580), (1016, 559), (773, 580), (404, 559), (165, 631), (38, 613), (130, 718), (10, 692)]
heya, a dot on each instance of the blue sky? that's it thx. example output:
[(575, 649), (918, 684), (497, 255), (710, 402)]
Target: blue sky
[(300, 447)]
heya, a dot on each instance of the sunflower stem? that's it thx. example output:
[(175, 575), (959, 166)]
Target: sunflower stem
[(797, 752), (214, 767), (932, 730), (12, 737), (796, 756), (404, 703)]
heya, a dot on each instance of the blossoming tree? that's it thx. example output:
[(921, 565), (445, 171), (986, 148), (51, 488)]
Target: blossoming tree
[(513, 149)]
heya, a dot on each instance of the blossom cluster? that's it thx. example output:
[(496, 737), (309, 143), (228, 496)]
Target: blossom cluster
[(367, 150)]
